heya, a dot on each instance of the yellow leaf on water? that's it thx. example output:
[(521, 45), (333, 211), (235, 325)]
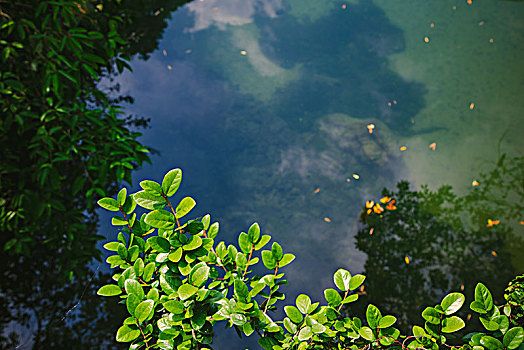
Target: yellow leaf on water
[(475, 183), (169, 67), (317, 190), (243, 52), (471, 106), (370, 128), (356, 176), (326, 219), (494, 253), (403, 148), (426, 39), (371, 230), (164, 52), (385, 199), (406, 259), (433, 146)]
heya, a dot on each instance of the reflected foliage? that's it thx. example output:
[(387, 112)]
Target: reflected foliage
[(61, 135), (436, 241)]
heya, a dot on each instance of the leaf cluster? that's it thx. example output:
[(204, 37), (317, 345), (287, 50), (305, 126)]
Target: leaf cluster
[(178, 284)]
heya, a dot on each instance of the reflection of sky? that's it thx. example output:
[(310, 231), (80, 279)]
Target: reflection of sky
[(248, 158), (233, 12)]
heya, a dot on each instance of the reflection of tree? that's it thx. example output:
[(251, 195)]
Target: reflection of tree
[(436, 242), (61, 147)]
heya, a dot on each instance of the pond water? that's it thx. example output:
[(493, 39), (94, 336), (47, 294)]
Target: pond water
[(266, 105)]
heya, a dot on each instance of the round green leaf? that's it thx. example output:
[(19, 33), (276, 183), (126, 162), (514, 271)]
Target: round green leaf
[(186, 291), (176, 255), (452, 303), (133, 287), (151, 186), (452, 324), (303, 303), (194, 243), (333, 298), (126, 334), (160, 219), (149, 200), (174, 306), (373, 316), (305, 333), (367, 333), (431, 315), (356, 281), (109, 204), (477, 306), (184, 207), (341, 279), (491, 343), (143, 310), (294, 314), (513, 338), (387, 321), (109, 290), (286, 259)]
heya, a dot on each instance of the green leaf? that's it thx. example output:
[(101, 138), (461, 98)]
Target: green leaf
[(286, 259), (294, 314), (366, 333), (452, 324), (262, 242), (254, 233), (143, 310), (111, 246), (268, 260), (491, 343), (387, 321), (452, 303), (303, 303), (126, 334), (174, 306), (373, 316), (176, 255), (133, 287), (184, 207), (213, 230), (132, 302), (171, 182), (277, 252), (267, 343), (151, 186), (199, 274), (109, 290), (159, 244), (121, 198), (431, 315), (350, 298), (149, 200), (109, 204), (194, 243), (118, 221), (185, 291), (477, 306), (483, 295), (356, 281), (161, 219), (341, 279), (489, 324), (290, 326), (305, 333), (244, 243), (513, 338), (332, 297), (149, 269)]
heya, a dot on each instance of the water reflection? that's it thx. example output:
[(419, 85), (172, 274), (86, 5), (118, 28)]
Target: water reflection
[(435, 242)]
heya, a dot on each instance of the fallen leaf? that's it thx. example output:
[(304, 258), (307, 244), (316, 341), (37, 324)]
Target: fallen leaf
[(389, 104), (494, 253), (348, 180), (432, 25), (522, 222), (317, 190), (326, 219), (469, 317), (370, 128), (472, 105), (403, 148), (492, 222), (371, 231), (462, 287), (406, 259), (433, 146), (481, 23), (491, 40), (169, 67), (243, 52), (385, 199), (370, 204), (469, 2), (378, 209), (188, 51), (391, 206), (356, 176), (394, 102), (426, 39), (343, 6), (475, 183), (164, 52)]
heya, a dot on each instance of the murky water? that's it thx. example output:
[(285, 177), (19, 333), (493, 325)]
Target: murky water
[(261, 103)]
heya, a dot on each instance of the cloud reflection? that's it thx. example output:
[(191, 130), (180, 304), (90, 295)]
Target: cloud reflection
[(234, 12)]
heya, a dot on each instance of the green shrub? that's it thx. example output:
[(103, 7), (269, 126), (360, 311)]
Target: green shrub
[(178, 284)]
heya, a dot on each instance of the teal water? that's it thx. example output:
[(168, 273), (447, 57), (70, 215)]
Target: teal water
[(265, 105)]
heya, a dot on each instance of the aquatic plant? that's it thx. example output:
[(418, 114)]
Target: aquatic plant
[(178, 284)]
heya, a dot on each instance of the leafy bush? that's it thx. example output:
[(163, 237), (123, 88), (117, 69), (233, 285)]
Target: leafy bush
[(175, 286)]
